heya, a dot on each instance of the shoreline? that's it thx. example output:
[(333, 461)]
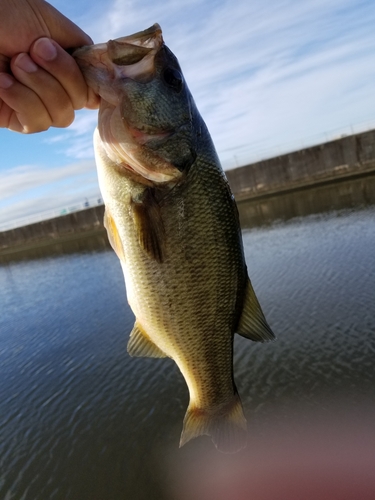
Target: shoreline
[(245, 197), (333, 162)]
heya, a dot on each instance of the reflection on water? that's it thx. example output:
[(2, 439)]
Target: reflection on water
[(81, 420), (348, 194), (253, 213), (97, 241)]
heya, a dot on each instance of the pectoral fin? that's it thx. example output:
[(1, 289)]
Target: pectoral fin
[(140, 345), (149, 225), (113, 235), (252, 324)]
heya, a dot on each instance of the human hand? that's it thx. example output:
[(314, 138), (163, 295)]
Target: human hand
[(40, 83)]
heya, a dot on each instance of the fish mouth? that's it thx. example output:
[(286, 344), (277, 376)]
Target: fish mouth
[(134, 149), (147, 177), (144, 135), (157, 170), (135, 145), (130, 57)]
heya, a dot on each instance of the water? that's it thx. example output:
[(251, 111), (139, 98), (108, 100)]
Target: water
[(81, 420)]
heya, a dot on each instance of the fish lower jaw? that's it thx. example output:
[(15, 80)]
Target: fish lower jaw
[(126, 170), (144, 176)]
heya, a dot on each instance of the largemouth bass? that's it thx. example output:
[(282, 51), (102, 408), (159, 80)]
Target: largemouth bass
[(173, 222)]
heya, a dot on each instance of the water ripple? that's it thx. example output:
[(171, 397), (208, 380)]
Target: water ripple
[(80, 419)]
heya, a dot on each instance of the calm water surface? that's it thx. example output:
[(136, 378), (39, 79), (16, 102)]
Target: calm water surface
[(81, 420)]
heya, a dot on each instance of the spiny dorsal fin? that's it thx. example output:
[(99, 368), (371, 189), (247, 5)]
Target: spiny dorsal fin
[(113, 235), (140, 345), (149, 224), (252, 324)]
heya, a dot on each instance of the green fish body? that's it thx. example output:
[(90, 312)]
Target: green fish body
[(173, 222)]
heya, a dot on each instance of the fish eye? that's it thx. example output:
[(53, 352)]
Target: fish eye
[(173, 78)]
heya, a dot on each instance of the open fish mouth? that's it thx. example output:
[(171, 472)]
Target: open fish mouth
[(135, 150), (130, 127), (126, 57), (144, 135)]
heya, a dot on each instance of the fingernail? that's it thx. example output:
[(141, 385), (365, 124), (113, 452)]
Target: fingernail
[(45, 49), (6, 81), (24, 62)]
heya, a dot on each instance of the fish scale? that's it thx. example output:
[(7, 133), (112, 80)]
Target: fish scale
[(173, 222)]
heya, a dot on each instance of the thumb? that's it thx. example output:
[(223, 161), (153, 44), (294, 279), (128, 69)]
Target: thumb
[(61, 29)]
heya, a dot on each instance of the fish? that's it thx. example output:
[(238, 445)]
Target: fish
[(173, 222)]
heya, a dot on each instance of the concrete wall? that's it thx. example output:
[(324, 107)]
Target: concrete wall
[(81, 242), (339, 159), (66, 226), (347, 194), (348, 156)]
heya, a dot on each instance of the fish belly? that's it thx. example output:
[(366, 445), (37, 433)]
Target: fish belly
[(187, 304)]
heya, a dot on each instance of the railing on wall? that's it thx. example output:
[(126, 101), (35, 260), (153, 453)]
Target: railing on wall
[(254, 152), (51, 214), (247, 154)]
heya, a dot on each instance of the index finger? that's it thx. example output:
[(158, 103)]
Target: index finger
[(48, 54)]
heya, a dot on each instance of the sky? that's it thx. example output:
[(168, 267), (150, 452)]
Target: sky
[(268, 78)]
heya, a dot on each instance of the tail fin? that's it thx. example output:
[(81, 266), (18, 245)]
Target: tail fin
[(226, 425)]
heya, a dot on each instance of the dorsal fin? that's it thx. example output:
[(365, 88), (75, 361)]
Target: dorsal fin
[(149, 224), (140, 345), (252, 324), (113, 235)]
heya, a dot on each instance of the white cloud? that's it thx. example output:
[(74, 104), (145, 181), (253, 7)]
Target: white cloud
[(29, 189), (266, 76), (84, 123), (46, 206), (261, 73), (76, 141), (281, 73), (22, 179)]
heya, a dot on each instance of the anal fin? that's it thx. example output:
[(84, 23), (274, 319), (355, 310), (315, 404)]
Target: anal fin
[(252, 324), (140, 345), (113, 235)]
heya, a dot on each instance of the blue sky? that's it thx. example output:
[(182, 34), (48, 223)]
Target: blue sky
[(268, 77)]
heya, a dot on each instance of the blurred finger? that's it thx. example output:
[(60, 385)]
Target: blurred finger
[(21, 110), (49, 90), (4, 64), (5, 111), (93, 100), (50, 56)]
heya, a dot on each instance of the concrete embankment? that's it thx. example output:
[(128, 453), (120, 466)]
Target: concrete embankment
[(67, 227), (329, 162), (332, 161)]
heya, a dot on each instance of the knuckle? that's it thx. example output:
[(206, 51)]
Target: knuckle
[(79, 98), (64, 119), (31, 125), (34, 129)]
